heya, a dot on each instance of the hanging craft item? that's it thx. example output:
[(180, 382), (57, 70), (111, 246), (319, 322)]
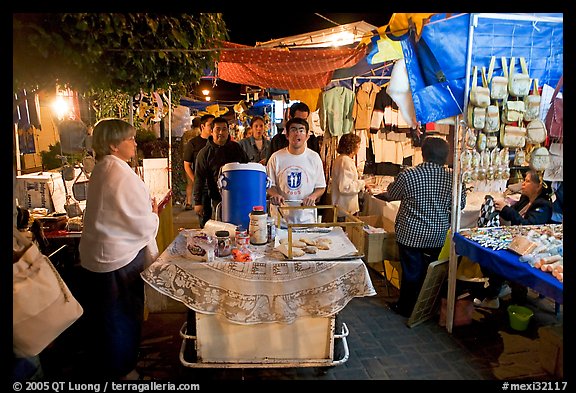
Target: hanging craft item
[(513, 111), (476, 117), (489, 217), (498, 84), (214, 110), (539, 159), (518, 82), (512, 136), (536, 132), (479, 95), (492, 122), (532, 104), (555, 116)]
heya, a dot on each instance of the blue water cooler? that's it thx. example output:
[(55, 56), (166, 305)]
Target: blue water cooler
[(242, 186)]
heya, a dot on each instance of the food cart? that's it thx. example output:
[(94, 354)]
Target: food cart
[(272, 311)]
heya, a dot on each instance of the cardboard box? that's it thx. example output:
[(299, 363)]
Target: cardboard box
[(377, 246), (42, 189), (551, 350), (369, 238)]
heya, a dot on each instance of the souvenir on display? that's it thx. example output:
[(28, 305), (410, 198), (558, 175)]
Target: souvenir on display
[(519, 157), (518, 82), (532, 103), (476, 117), (491, 141), (479, 95), (535, 132), (498, 84), (539, 159), (512, 136), (492, 122), (513, 111)]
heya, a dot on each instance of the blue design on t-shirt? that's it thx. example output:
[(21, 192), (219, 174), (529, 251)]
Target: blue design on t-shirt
[(294, 180)]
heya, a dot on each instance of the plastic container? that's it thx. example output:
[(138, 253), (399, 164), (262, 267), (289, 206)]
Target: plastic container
[(519, 317), (242, 186), (258, 229), (241, 238), (270, 229)]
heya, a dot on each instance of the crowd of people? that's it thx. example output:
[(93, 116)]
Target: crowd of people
[(116, 247)]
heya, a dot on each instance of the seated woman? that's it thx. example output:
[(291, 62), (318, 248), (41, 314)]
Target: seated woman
[(533, 208)]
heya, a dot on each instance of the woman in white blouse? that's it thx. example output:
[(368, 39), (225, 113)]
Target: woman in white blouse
[(345, 184), (119, 236)]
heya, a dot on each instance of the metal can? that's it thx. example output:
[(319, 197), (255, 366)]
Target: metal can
[(242, 238), (223, 247)]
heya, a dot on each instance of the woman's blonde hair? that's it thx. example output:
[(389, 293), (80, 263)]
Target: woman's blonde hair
[(110, 132)]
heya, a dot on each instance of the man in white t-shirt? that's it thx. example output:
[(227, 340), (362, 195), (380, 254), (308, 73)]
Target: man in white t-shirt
[(296, 174)]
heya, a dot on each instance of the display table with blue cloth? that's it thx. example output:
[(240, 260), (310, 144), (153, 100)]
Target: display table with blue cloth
[(507, 264)]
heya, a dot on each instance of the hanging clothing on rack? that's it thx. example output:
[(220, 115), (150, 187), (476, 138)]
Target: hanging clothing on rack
[(364, 105), (382, 113), (336, 111)]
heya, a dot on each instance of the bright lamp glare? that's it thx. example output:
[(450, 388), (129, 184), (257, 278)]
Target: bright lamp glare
[(60, 107), (342, 38)]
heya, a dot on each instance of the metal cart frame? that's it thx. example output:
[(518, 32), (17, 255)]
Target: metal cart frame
[(266, 362)]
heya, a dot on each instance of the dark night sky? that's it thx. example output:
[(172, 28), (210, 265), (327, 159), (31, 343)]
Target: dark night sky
[(247, 28)]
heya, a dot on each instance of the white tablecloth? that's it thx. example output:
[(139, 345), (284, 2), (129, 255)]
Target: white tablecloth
[(269, 289)]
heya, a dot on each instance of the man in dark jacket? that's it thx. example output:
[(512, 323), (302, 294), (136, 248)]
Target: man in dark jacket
[(191, 149), (220, 149)]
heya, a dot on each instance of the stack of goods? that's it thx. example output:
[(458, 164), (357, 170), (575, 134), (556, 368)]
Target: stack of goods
[(377, 184), (503, 116), (539, 245)]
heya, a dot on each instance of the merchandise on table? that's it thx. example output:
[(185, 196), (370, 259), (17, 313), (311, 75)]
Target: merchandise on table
[(541, 246)]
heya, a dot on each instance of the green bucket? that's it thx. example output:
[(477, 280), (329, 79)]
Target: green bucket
[(519, 317)]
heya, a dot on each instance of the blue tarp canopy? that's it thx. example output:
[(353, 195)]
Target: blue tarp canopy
[(462, 41)]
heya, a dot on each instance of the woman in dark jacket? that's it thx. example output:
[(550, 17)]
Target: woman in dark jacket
[(534, 206)]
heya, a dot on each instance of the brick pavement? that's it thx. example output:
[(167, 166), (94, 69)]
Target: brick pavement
[(382, 347)]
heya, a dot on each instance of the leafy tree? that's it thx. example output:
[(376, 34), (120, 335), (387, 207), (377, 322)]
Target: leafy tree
[(114, 52)]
